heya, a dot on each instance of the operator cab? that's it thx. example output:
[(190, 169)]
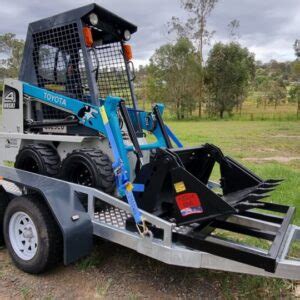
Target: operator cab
[(81, 54)]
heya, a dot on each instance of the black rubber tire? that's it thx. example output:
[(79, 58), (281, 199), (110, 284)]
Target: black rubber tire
[(97, 163), (38, 158), (4, 200), (50, 243)]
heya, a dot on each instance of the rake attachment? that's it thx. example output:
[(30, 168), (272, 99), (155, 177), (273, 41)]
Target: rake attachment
[(178, 185), (178, 189)]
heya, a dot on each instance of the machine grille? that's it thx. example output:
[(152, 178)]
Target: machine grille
[(60, 67), (113, 75), (58, 61)]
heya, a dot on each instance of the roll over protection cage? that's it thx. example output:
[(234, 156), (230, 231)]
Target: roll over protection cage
[(61, 37)]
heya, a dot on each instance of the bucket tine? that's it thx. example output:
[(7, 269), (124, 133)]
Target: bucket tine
[(265, 184), (256, 197), (248, 205), (272, 181), (264, 190)]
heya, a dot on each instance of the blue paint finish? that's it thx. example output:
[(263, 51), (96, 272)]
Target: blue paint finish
[(92, 119), (144, 147)]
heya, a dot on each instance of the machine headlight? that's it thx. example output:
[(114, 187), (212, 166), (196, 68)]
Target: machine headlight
[(93, 19), (127, 35)]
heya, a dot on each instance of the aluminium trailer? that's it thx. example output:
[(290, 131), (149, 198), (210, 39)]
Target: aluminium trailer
[(167, 243)]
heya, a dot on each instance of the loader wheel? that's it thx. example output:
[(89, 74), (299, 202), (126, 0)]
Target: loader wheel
[(38, 158), (89, 167), (31, 235)]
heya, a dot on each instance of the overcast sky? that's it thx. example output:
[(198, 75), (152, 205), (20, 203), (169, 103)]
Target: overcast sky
[(267, 27)]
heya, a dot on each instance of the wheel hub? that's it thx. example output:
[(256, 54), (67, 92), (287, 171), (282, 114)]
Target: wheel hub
[(27, 233), (23, 235)]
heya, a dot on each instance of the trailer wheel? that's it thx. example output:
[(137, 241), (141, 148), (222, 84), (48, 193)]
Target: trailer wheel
[(89, 167), (31, 235), (38, 158)]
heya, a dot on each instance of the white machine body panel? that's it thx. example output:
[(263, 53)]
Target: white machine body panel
[(12, 107), (12, 120)]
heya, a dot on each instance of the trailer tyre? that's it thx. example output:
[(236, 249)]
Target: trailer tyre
[(31, 235), (38, 158), (4, 200), (89, 167)]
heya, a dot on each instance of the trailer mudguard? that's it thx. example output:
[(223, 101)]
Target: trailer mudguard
[(63, 201)]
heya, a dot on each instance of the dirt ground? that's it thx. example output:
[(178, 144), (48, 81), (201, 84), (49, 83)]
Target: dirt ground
[(113, 272)]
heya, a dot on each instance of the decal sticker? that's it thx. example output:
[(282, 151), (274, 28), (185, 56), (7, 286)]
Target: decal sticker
[(179, 187), (55, 129), (103, 115), (11, 98), (55, 99), (189, 204), (87, 113)]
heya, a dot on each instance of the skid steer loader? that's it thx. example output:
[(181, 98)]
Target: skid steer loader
[(82, 165)]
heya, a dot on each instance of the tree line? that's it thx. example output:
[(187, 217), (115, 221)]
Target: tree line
[(179, 76)]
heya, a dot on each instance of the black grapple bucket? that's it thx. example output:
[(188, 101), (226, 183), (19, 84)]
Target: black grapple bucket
[(178, 187)]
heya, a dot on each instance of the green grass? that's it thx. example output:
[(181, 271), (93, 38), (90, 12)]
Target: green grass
[(243, 140)]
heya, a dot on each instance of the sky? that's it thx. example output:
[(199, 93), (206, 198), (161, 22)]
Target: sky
[(268, 28)]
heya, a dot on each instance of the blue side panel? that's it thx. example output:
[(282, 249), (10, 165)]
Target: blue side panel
[(88, 115)]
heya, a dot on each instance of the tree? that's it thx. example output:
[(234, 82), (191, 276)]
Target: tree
[(276, 91), (295, 71), (150, 85), (229, 72), (195, 28), (11, 49), (294, 95), (174, 71), (261, 86), (294, 91)]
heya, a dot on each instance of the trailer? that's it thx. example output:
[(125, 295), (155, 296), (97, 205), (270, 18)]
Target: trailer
[(78, 225), (80, 165)]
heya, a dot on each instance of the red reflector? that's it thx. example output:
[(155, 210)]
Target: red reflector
[(189, 204), (88, 37)]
